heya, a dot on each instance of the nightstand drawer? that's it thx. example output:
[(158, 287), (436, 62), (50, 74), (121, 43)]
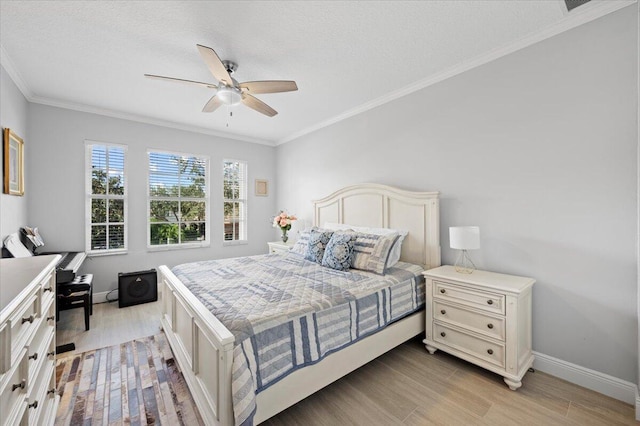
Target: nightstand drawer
[(474, 321), (472, 345), (486, 301)]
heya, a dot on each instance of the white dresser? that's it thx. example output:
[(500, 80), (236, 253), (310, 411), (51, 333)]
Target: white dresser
[(483, 317), (27, 341)]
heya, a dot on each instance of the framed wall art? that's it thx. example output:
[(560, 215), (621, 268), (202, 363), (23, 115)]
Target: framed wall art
[(13, 163), (262, 187)]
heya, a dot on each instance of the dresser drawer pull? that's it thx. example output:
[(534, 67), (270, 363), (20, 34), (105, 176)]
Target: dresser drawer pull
[(490, 325), (20, 385), (443, 334), (51, 318), (51, 354), (443, 291), (443, 311), (29, 319), (490, 351), (34, 356), (34, 405), (51, 391), (48, 289), (490, 302)]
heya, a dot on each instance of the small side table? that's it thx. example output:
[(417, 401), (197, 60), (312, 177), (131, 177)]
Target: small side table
[(483, 317), (279, 246)]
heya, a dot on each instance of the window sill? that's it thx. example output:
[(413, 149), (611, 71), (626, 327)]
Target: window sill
[(235, 243), (177, 247), (106, 253)]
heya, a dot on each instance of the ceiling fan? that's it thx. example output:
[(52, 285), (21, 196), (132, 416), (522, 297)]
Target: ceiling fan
[(228, 90)]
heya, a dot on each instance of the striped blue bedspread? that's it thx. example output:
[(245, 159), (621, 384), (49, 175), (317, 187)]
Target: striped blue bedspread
[(286, 312)]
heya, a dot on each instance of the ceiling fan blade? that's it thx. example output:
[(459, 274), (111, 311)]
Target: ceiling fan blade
[(258, 105), (269, 86), (180, 80), (215, 65), (212, 104)]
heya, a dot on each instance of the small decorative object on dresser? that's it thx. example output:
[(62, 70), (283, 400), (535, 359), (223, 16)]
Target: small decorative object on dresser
[(464, 238), (279, 246), (484, 318), (283, 221)]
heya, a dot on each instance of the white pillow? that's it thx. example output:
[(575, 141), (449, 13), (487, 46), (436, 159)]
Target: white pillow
[(394, 255)]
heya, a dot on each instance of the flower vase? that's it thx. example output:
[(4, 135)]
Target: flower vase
[(285, 237)]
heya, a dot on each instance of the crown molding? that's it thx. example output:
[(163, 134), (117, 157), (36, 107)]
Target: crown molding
[(579, 16), (144, 119), (11, 69)]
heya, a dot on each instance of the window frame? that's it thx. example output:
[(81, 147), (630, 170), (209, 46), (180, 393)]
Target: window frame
[(89, 196), (244, 228), (206, 199)]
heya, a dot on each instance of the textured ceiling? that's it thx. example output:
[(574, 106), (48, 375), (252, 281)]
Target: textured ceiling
[(92, 55)]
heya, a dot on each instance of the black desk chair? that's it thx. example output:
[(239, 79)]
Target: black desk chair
[(76, 294)]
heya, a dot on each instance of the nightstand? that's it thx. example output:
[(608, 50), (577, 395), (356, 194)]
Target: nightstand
[(279, 246), (483, 318)]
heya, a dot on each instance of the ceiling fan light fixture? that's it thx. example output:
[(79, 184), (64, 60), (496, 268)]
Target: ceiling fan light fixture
[(229, 95)]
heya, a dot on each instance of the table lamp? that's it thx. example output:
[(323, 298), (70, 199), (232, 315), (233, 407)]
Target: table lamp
[(464, 238)]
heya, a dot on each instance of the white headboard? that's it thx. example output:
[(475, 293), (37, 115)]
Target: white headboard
[(382, 206)]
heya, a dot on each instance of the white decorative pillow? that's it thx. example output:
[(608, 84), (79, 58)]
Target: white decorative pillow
[(302, 243), (371, 252), (396, 250)]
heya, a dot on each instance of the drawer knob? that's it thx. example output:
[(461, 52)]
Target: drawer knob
[(490, 351), (51, 354), (490, 325), (443, 311), (34, 356), (443, 334), (20, 385), (34, 405), (51, 391), (29, 319), (48, 289), (51, 318), (443, 291), (490, 302)]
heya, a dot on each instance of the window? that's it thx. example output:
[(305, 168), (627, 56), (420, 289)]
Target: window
[(178, 200), (235, 200), (106, 205)]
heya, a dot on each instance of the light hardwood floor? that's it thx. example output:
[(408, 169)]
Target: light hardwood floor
[(404, 386)]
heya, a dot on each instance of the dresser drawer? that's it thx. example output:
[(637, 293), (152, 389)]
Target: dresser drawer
[(38, 395), (13, 392), (472, 345), (23, 323), (484, 300), (48, 288), (40, 348), (475, 321)]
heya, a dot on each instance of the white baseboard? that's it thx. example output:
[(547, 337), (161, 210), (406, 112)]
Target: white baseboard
[(102, 297), (590, 379)]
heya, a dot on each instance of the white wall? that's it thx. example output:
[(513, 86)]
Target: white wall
[(539, 149), (13, 114), (56, 165)]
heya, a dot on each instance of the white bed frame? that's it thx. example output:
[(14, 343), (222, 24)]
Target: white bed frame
[(203, 347)]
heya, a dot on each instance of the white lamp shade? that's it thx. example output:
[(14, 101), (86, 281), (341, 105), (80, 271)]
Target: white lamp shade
[(464, 237)]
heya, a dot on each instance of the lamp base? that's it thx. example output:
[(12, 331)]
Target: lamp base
[(464, 264)]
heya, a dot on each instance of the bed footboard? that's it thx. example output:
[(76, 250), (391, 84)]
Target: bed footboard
[(202, 346)]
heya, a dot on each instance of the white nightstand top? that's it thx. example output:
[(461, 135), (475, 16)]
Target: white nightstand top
[(493, 280), (280, 245)]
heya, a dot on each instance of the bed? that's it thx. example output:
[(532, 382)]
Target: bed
[(204, 347)]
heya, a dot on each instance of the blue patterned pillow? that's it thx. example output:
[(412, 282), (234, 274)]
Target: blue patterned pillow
[(302, 243), (318, 240), (339, 252)]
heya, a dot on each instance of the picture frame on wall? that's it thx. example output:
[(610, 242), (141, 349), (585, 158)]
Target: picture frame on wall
[(262, 187), (13, 163)]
